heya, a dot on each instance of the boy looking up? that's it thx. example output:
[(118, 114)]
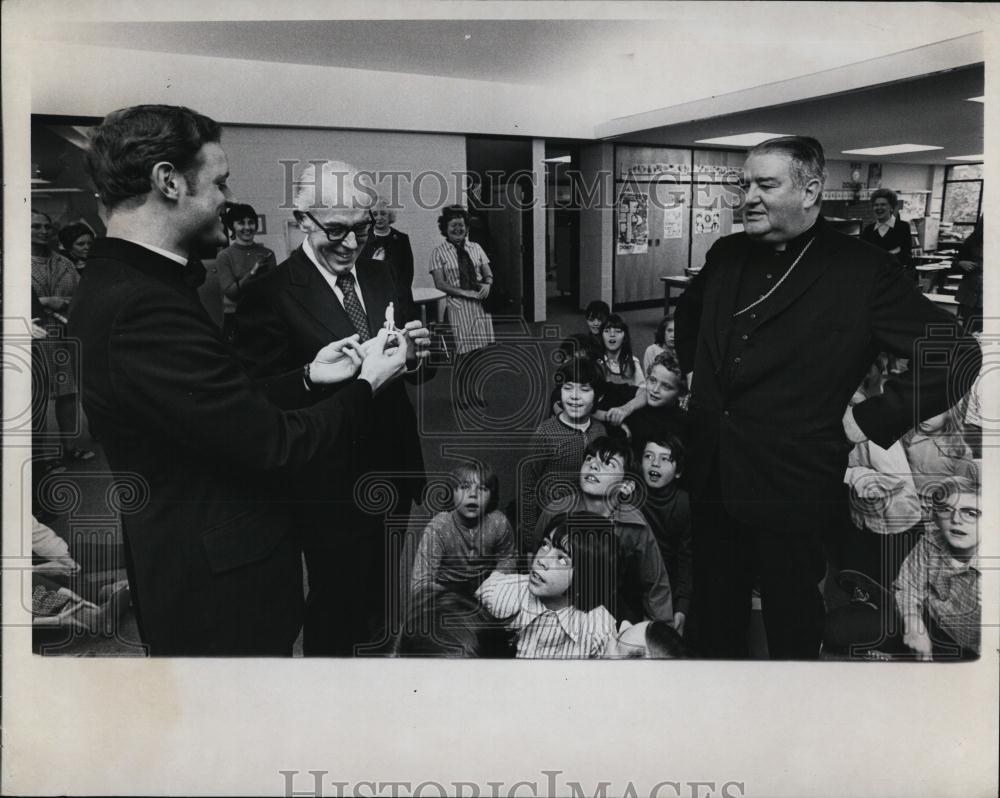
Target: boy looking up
[(668, 511)]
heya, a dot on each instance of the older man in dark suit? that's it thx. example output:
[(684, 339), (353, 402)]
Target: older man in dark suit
[(211, 564), (778, 329), (323, 290)]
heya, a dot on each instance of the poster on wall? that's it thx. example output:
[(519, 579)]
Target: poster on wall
[(673, 222), (707, 221), (874, 175), (632, 228)]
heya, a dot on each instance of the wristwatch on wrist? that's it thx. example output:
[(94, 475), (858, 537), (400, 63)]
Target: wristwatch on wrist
[(306, 379)]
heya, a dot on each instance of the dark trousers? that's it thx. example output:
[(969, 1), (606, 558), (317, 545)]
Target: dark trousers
[(347, 572), (730, 558)]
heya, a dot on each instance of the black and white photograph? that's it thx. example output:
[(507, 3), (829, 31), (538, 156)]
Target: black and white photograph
[(373, 373)]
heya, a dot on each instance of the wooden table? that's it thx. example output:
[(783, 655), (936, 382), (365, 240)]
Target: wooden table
[(422, 297), (671, 282)]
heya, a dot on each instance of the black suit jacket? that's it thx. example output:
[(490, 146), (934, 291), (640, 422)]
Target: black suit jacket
[(774, 429), (287, 316), (211, 566), (397, 257)]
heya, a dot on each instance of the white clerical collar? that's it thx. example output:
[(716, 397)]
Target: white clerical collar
[(158, 250)]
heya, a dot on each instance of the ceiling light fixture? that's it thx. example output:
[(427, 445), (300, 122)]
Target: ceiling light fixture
[(893, 149), (742, 139), (977, 99), (558, 159)]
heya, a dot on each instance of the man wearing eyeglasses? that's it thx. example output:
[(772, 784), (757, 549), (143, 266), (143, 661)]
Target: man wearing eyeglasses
[(206, 453), (318, 292)]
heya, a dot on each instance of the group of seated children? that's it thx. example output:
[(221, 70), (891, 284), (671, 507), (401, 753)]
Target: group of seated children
[(909, 553), (605, 530)]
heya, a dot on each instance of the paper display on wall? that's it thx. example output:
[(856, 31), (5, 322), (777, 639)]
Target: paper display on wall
[(707, 222), (673, 222), (633, 233)]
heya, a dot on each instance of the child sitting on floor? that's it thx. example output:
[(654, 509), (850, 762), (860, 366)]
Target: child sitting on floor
[(667, 509), (936, 449), (461, 547), (560, 609), (884, 508), (626, 385), (663, 413), (619, 364), (595, 314), (603, 486), (560, 441), (937, 590), (663, 341)]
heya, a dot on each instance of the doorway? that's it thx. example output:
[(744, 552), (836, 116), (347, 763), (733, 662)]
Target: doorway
[(500, 198)]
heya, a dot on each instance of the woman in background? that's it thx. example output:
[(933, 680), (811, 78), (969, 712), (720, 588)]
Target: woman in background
[(240, 262), (74, 244), (970, 293), (389, 247), (53, 282), (462, 271), (889, 232)]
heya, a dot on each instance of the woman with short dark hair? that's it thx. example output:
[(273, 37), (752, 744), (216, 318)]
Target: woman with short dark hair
[(74, 244), (462, 271), (888, 231)]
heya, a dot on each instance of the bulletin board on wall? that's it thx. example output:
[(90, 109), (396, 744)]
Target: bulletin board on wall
[(717, 199), (671, 205), (652, 239)]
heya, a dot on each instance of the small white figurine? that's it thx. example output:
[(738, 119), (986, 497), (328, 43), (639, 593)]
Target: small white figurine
[(390, 318)]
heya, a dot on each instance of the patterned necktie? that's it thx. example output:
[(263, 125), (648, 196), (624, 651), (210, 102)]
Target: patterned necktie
[(345, 282), (466, 271)]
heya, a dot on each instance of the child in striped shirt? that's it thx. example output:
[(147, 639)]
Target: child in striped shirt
[(559, 609)]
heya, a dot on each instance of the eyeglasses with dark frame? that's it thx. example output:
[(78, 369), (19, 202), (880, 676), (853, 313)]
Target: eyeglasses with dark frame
[(338, 232), (967, 514)]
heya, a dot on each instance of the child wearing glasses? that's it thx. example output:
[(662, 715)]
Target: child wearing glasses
[(937, 590)]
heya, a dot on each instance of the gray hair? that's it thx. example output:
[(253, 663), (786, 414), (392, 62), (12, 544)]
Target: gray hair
[(804, 152), (382, 202), (327, 185)]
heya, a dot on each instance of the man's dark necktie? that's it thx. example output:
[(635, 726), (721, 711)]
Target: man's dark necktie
[(466, 271), (345, 282)]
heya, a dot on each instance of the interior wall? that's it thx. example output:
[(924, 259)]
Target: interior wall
[(897, 176), (259, 177)]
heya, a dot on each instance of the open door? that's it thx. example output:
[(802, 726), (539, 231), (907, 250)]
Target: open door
[(503, 227)]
